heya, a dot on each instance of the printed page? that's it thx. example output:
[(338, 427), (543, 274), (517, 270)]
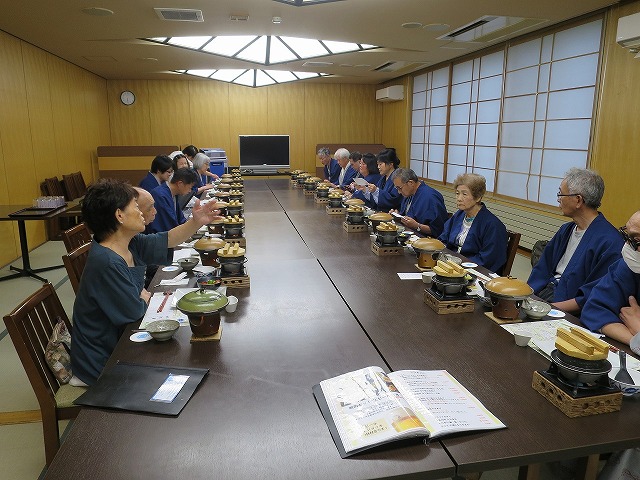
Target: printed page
[(368, 410), (443, 404)]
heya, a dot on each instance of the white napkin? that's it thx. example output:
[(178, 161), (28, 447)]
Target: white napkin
[(177, 280), (204, 269), (184, 253)]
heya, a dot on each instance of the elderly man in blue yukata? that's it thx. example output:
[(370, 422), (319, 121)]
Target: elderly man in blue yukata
[(161, 171), (473, 230), (331, 166), (169, 214), (580, 253), (612, 307), (422, 207), (347, 172)]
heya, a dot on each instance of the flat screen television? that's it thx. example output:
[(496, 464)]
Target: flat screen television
[(264, 154)]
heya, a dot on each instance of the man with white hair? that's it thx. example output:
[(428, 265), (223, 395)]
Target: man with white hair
[(146, 204), (347, 172)]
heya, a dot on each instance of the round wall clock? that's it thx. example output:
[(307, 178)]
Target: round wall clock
[(127, 97)]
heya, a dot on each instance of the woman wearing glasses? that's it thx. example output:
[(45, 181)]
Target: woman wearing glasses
[(473, 230), (383, 195), (612, 307), (580, 253)]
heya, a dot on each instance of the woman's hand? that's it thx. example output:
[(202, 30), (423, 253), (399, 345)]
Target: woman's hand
[(371, 187), (410, 223), (145, 295), (205, 213)]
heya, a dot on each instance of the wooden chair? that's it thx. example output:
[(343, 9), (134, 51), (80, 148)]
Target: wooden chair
[(74, 262), (81, 186), (76, 236), (513, 240), (69, 185), (30, 326)]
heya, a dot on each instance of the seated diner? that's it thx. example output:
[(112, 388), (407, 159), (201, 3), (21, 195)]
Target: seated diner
[(473, 230), (111, 292)]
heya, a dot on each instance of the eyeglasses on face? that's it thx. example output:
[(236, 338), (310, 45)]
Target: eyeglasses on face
[(560, 194), (400, 187), (634, 242)]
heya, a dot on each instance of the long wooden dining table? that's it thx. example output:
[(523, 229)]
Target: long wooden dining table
[(321, 304)]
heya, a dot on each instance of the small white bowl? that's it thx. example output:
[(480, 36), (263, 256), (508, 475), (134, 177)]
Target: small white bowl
[(232, 305), (522, 338), (626, 389), (427, 277)]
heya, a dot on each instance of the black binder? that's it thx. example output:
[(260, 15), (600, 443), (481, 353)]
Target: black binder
[(130, 386)]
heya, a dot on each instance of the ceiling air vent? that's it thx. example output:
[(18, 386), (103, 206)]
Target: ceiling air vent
[(180, 14), (395, 66), (490, 28)]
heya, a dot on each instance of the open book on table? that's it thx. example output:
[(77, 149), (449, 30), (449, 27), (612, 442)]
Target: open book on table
[(368, 407)]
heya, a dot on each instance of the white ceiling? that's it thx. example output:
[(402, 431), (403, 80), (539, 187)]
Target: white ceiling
[(108, 45)]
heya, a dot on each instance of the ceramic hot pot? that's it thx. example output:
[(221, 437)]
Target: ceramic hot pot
[(234, 208), (233, 226), (302, 177), (507, 294), (202, 307), (322, 190), (217, 226), (355, 215), (387, 233), (232, 259), (428, 250), (208, 248), (236, 195), (335, 200), (311, 183)]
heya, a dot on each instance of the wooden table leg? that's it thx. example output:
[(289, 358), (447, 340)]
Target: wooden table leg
[(587, 468)]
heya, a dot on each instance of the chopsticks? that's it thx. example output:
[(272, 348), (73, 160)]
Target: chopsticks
[(167, 294)]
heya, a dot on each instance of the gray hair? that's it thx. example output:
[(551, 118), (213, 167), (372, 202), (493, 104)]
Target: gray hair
[(406, 174), (324, 152), (341, 153), (199, 160), (587, 183)]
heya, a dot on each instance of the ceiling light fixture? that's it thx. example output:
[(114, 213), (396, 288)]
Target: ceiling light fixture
[(263, 49), (276, 20), (412, 25), (436, 27)]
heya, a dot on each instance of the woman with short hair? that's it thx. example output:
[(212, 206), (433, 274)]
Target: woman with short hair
[(473, 230), (111, 292)]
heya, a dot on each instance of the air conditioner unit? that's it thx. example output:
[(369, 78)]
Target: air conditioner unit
[(628, 35), (390, 94)]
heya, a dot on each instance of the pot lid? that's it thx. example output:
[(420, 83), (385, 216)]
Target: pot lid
[(380, 216), (428, 244), (335, 195), (225, 186), (217, 221), (231, 250), (233, 219), (209, 243), (222, 204), (355, 209), (202, 301), (324, 186), (226, 180), (508, 287), (234, 203), (387, 227), (304, 174), (312, 179)]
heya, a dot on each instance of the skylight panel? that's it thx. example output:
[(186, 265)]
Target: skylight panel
[(303, 75), (304, 47), (256, 52), (340, 47), (201, 73), (189, 42), (279, 52), (228, 45), (246, 78), (228, 74), (263, 79), (159, 39), (281, 76)]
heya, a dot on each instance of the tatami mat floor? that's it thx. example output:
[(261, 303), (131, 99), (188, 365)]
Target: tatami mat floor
[(21, 445)]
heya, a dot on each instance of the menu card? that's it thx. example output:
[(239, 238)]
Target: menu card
[(367, 407)]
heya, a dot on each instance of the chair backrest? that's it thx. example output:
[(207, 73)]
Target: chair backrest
[(52, 187), (76, 236), (536, 251), (30, 325), (70, 187), (74, 262), (513, 240), (81, 186)]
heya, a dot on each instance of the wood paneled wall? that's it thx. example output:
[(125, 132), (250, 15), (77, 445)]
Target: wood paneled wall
[(213, 114), (53, 116), (396, 121), (615, 146)]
